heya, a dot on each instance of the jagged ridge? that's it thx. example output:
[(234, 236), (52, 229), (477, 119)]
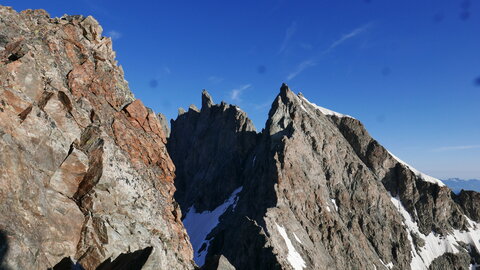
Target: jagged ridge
[(317, 192)]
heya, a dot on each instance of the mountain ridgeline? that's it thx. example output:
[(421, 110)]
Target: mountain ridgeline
[(92, 179), (313, 190), (457, 184)]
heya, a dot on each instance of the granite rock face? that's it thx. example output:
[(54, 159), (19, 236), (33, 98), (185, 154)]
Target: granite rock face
[(313, 190), (85, 176)]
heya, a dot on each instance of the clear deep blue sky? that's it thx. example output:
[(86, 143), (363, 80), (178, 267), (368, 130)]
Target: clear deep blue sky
[(409, 70)]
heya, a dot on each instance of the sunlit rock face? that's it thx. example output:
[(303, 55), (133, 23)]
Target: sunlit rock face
[(86, 180), (313, 190), (85, 177)]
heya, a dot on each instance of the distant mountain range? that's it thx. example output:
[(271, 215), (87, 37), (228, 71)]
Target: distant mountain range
[(457, 184)]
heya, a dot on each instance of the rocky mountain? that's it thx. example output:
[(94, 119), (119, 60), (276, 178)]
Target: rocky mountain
[(89, 180), (85, 177), (457, 184), (312, 190)]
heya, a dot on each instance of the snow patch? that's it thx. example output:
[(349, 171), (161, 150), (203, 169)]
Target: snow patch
[(293, 257), (296, 238), (436, 245), (199, 225), (388, 265), (425, 177), (335, 204), (303, 108), (322, 109), (328, 208)]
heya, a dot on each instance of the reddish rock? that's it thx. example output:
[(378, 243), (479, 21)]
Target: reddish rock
[(137, 111), (84, 172)]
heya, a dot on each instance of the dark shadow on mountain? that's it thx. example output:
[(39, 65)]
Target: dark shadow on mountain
[(3, 250), (210, 147), (469, 201), (127, 261), (215, 151), (241, 236), (67, 264)]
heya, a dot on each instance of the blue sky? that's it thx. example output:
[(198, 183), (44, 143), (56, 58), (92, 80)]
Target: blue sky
[(409, 70)]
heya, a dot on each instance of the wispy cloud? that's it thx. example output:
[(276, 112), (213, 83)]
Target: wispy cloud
[(114, 34), (348, 36), (215, 79), (454, 148), (312, 61), (166, 70), (301, 67), (237, 92), (288, 36)]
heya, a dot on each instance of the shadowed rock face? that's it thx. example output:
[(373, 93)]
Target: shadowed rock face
[(84, 170), (221, 137), (317, 192)]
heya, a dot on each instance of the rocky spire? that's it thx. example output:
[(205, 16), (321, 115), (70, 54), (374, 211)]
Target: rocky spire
[(181, 111), (284, 89), (207, 100), (193, 108), (279, 116)]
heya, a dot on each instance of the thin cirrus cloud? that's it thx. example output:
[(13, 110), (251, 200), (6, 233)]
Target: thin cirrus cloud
[(237, 92), (215, 79), (114, 34), (288, 36), (455, 148), (313, 60), (348, 36), (301, 67), (166, 70)]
